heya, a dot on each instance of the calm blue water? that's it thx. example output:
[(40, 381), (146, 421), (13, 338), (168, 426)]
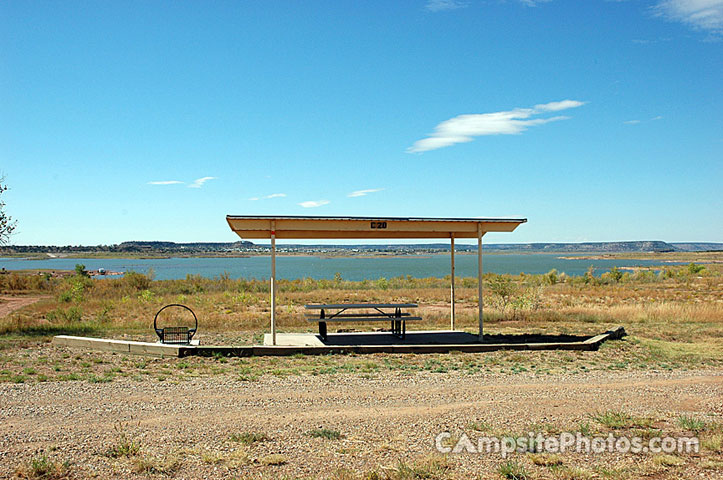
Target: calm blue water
[(354, 268)]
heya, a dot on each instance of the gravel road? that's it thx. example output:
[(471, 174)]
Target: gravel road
[(382, 420)]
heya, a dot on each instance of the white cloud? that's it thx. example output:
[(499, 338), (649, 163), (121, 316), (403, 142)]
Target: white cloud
[(165, 182), (273, 195), (464, 128), (198, 183), (361, 193), (557, 106), (442, 5), (533, 3), (635, 122), (314, 203), (699, 14)]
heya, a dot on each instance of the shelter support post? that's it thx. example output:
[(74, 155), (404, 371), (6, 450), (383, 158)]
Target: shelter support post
[(273, 283), (480, 302), (451, 317)]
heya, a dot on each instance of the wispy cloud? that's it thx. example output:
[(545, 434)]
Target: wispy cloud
[(361, 193), (651, 41), (165, 182), (314, 203), (442, 5), (464, 128), (533, 3), (273, 195), (636, 122), (198, 183), (704, 15)]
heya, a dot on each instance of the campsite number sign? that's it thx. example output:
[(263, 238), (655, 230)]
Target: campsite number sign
[(379, 224)]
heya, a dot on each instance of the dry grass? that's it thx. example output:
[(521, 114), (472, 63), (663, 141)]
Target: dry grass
[(43, 468), (673, 322)]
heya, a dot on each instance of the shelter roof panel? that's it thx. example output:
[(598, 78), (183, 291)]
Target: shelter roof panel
[(301, 227)]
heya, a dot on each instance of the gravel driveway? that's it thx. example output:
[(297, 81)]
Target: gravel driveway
[(382, 420)]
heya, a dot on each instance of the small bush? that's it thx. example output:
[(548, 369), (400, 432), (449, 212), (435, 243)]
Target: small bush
[(615, 274), (480, 426), (42, 468), (551, 277), (125, 446), (714, 443), (545, 460), (80, 270), (22, 282), (666, 460), (431, 467), (324, 433), (136, 281), (691, 423), (157, 465), (617, 419), (73, 314), (248, 438), (513, 470), (695, 269), (505, 291), (275, 459)]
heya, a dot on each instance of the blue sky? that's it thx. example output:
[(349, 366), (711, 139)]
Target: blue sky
[(596, 120)]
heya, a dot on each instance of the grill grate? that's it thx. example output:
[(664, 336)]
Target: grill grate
[(176, 335)]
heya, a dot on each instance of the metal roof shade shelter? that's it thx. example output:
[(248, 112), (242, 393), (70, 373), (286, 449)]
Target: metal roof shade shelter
[(302, 227)]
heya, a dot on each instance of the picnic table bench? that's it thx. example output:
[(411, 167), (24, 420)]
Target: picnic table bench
[(349, 312)]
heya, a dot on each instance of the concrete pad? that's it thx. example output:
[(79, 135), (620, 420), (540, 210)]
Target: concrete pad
[(426, 337), (436, 341), (121, 346)]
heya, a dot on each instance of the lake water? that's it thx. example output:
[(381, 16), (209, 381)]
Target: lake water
[(350, 268)]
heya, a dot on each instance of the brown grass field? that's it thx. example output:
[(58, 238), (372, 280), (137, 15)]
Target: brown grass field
[(76, 414)]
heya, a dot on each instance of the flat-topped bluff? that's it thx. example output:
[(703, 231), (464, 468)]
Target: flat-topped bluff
[(136, 246)]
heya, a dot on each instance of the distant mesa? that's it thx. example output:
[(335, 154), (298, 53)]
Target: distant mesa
[(220, 248), (153, 246), (134, 247)]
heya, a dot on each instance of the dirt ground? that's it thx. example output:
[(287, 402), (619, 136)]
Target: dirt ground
[(287, 426), (9, 304)]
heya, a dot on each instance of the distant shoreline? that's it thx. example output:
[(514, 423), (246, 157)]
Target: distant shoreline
[(663, 257)]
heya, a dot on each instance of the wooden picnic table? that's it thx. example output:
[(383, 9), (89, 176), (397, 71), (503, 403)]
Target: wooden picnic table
[(339, 312)]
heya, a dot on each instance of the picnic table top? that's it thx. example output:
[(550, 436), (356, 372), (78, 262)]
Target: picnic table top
[(361, 305)]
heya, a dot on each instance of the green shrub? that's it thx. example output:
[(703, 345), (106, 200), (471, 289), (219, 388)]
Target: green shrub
[(324, 433), (80, 270), (42, 468), (15, 282), (505, 291), (248, 438), (513, 470), (695, 269), (136, 281), (691, 423), (74, 288), (71, 315), (616, 275), (551, 277)]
